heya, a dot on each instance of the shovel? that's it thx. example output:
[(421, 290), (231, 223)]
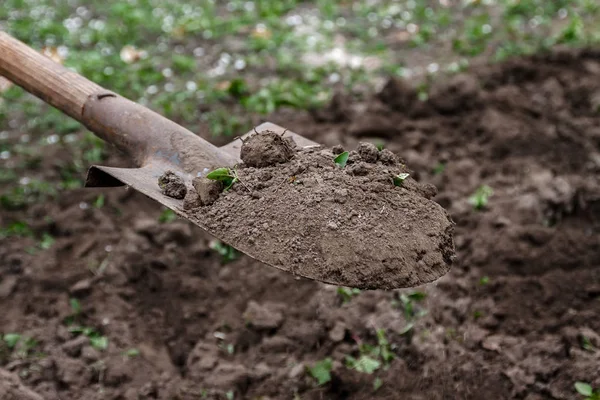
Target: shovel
[(155, 144)]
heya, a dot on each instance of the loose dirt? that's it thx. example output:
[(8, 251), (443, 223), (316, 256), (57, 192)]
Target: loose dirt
[(303, 213), (517, 316)]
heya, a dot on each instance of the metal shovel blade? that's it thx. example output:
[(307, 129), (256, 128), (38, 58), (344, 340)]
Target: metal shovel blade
[(145, 179)]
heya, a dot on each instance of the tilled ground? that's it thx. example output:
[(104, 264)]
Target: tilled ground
[(516, 318)]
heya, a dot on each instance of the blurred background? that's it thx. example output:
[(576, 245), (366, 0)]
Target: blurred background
[(106, 295)]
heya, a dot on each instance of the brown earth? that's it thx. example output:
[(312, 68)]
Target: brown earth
[(516, 318), (348, 224)]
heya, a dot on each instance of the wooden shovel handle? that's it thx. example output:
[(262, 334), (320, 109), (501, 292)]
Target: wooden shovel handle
[(44, 78), (138, 131)]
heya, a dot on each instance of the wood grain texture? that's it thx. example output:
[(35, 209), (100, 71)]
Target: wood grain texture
[(44, 78)]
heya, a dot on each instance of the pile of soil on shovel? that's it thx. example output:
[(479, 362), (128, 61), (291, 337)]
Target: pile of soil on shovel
[(351, 223), (517, 316)]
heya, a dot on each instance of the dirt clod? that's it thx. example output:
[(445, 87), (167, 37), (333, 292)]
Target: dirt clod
[(191, 200), (172, 185), (368, 152), (387, 157), (264, 149), (207, 190)]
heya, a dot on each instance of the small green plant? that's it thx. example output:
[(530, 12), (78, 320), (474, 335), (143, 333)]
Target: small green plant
[(18, 228), (228, 176), (586, 344), (439, 168), (377, 383), (585, 389), (479, 199), (99, 202), (47, 241), (408, 302), (22, 345), (321, 371), (400, 178), (365, 364), (167, 216), (342, 159), (347, 293), (97, 340), (484, 280), (227, 252), (133, 352), (371, 357), (11, 339)]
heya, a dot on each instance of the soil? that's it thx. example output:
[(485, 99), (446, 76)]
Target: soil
[(172, 185), (515, 318), (351, 225)]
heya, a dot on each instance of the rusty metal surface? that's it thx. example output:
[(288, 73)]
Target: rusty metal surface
[(148, 137), (145, 179)]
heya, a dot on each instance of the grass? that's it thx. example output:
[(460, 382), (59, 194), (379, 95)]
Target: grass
[(215, 66)]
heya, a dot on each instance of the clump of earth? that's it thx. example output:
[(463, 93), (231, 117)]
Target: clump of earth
[(363, 223)]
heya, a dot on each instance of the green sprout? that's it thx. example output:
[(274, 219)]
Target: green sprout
[(227, 252), (167, 216), (400, 178), (585, 389), (347, 293), (377, 383), (439, 168), (372, 357), (342, 159), (133, 352), (365, 364), (11, 339), (226, 175), (47, 241), (99, 202), (97, 340), (480, 198), (411, 309), (321, 371)]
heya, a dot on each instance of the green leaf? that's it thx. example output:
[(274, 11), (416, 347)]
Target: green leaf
[(321, 371), (480, 198), (220, 174), (47, 241), (99, 342), (584, 389), (342, 159), (347, 293), (75, 306), (439, 168), (417, 296), (132, 353), (399, 179), (167, 216), (364, 364), (407, 328), (11, 339), (377, 383), (99, 202)]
